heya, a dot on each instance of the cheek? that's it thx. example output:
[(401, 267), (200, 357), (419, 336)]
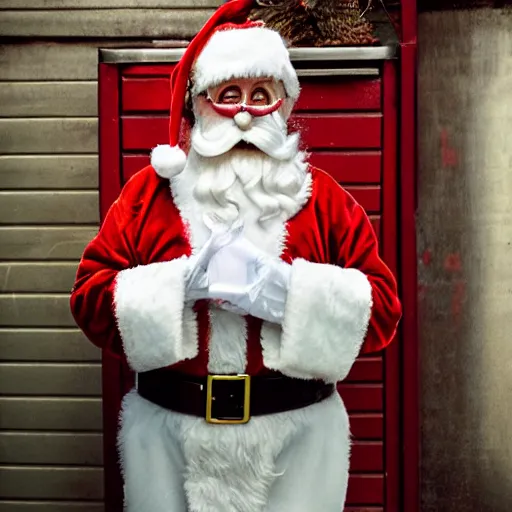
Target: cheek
[(202, 107), (278, 90), (205, 115), (286, 109)]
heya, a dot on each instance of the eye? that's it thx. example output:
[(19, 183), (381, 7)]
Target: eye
[(230, 95), (260, 97)]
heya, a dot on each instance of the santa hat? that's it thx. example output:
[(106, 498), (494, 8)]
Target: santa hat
[(228, 46)]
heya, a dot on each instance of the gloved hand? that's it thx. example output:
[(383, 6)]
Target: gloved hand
[(196, 281), (244, 279)]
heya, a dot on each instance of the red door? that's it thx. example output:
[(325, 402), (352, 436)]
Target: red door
[(349, 123)]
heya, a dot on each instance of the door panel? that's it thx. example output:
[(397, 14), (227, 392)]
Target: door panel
[(342, 123)]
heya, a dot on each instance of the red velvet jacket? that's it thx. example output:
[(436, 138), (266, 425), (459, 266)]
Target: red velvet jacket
[(129, 292)]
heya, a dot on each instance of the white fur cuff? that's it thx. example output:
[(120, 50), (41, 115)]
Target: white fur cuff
[(326, 318), (156, 328)]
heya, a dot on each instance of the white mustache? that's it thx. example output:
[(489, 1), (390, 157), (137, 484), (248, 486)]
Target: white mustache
[(267, 133)]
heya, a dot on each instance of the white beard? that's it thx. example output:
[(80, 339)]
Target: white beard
[(271, 179), (229, 185), (260, 191)]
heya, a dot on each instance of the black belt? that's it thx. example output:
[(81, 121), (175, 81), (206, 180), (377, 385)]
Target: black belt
[(229, 398)]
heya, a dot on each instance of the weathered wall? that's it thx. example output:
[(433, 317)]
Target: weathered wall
[(465, 237), (50, 380)]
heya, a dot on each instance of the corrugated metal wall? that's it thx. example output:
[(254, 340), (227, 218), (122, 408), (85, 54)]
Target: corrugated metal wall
[(50, 380)]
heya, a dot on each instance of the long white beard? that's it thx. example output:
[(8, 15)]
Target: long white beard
[(271, 178)]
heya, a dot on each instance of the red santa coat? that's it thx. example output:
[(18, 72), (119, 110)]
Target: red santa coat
[(144, 226), (129, 298)]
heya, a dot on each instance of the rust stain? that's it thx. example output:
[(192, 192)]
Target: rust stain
[(448, 153), (426, 257), (453, 263)]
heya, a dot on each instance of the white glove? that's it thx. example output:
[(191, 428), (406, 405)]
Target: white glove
[(246, 280), (196, 281)]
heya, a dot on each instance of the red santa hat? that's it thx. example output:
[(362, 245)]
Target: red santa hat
[(228, 46)]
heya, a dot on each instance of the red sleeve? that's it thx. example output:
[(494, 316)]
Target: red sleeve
[(134, 309), (337, 308), (358, 249), (92, 294)]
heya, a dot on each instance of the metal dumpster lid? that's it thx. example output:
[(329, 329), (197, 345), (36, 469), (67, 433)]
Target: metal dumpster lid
[(168, 52)]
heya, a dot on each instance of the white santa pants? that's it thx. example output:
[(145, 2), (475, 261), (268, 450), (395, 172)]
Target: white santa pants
[(295, 461)]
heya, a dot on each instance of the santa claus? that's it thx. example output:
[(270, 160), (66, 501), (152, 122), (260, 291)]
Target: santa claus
[(240, 284)]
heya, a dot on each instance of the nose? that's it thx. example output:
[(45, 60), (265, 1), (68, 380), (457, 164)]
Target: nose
[(243, 120)]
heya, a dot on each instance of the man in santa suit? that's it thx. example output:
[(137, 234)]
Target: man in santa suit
[(240, 284)]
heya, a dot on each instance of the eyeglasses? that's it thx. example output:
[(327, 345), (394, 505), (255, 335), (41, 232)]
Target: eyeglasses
[(256, 97), (232, 109)]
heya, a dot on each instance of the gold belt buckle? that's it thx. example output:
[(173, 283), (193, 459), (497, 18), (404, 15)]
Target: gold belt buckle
[(247, 399)]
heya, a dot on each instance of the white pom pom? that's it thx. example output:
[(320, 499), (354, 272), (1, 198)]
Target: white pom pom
[(168, 161)]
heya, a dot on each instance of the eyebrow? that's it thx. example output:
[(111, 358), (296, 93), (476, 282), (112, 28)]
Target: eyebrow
[(266, 82)]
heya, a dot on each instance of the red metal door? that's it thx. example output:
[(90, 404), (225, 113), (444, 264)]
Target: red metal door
[(349, 123)]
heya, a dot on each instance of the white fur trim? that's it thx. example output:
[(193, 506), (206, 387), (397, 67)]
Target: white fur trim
[(326, 318), (304, 194), (176, 462), (151, 460), (227, 344), (168, 161), (156, 328), (227, 350), (245, 53)]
